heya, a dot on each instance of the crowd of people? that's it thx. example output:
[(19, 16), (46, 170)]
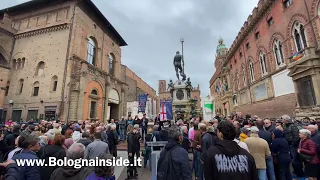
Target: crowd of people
[(249, 148)]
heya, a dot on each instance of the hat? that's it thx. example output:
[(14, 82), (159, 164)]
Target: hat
[(254, 129), (166, 124)]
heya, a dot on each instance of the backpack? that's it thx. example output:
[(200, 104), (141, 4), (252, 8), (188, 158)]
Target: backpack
[(166, 171)]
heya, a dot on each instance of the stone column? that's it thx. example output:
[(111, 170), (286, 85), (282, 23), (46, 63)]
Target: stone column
[(107, 90), (296, 89), (316, 87)]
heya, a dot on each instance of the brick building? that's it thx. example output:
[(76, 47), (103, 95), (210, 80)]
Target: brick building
[(137, 86), (65, 60), (273, 66), (165, 94)]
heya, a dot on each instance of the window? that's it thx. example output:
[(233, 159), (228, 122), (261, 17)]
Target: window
[(20, 87), (278, 53), (91, 51), (262, 59), (299, 36), (23, 61), (14, 64), (7, 88), (40, 69), (248, 45), (94, 92), (287, 3), (251, 70), (111, 64), (35, 89), (93, 106), (270, 21), (257, 35), (54, 83)]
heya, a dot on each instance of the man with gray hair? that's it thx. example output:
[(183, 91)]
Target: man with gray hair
[(291, 133), (96, 148), (174, 161), (75, 151)]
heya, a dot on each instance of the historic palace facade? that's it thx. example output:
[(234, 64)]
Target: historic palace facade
[(273, 66), (60, 60)]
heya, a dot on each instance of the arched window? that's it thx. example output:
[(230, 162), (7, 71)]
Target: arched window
[(244, 76), (40, 69), (278, 52), (14, 64), (91, 58), (54, 83), (299, 36), (19, 64), (20, 86), (23, 61), (94, 92), (3, 61), (35, 91), (262, 59), (251, 70), (111, 63)]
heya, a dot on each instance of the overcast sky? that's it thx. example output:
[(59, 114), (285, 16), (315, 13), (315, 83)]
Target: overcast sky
[(153, 29)]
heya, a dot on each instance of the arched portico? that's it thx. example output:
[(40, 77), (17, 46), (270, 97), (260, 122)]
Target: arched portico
[(113, 104)]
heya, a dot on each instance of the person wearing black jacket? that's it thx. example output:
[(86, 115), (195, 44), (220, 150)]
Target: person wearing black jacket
[(219, 158), (112, 140), (132, 150), (9, 140), (12, 170), (291, 133)]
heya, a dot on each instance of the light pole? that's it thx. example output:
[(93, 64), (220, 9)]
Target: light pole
[(182, 41)]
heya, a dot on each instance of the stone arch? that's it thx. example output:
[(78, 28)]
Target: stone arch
[(40, 68), (315, 12), (114, 96), (277, 36), (97, 99), (303, 20), (92, 50)]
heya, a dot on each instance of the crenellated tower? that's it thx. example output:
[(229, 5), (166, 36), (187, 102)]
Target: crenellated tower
[(221, 55)]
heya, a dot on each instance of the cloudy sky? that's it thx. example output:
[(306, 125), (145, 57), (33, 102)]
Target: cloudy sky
[(153, 29)]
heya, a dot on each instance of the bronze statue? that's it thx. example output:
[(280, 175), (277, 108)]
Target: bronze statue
[(171, 88), (177, 63), (188, 87)]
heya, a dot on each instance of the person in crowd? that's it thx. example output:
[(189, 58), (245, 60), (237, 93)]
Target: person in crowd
[(56, 128), (147, 149), (122, 126), (28, 130), (241, 144), (85, 140), (185, 142), (291, 133), (156, 133), (308, 154), (245, 133), (315, 135), (164, 131), (15, 151), (136, 120), (50, 136), (103, 172), (218, 158), (259, 148), (77, 134), (96, 148), (191, 130), (130, 121), (112, 139), (9, 140), (55, 150), (237, 125), (174, 162), (75, 152), (268, 126), (30, 145), (144, 125), (68, 139), (9, 122), (281, 154), (208, 138), (132, 150), (196, 143), (266, 135), (11, 170)]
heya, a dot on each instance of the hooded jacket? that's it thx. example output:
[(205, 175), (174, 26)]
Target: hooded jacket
[(71, 173), (180, 162), (280, 147), (226, 160)]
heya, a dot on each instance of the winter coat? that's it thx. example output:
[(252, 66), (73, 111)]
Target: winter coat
[(50, 151), (308, 147), (132, 143), (291, 133), (71, 173), (218, 158), (12, 172), (280, 148), (85, 141), (185, 142), (270, 129), (266, 135), (164, 136), (28, 172), (243, 137), (180, 161), (208, 139), (259, 149)]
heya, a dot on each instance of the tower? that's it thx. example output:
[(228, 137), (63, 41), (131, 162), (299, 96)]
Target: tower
[(162, 86), (221, 51)]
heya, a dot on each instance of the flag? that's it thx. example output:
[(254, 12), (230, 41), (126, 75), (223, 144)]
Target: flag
[(143, 98), (297, 56), (169, 110), (166, 110)]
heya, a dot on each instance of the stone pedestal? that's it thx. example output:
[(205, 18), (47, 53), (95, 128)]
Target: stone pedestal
[(181, 99)]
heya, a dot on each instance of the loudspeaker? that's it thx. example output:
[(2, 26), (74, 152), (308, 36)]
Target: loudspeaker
[(1, 116)]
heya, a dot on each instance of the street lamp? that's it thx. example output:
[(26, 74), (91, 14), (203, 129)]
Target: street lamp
[(182, 41)]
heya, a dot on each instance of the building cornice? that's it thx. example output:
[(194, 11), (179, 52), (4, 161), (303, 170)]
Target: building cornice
[(43, 31)]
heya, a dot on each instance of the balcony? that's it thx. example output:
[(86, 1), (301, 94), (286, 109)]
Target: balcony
[(306, 54)]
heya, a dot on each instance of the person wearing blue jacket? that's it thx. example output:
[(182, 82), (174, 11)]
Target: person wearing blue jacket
[(280, 150)]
